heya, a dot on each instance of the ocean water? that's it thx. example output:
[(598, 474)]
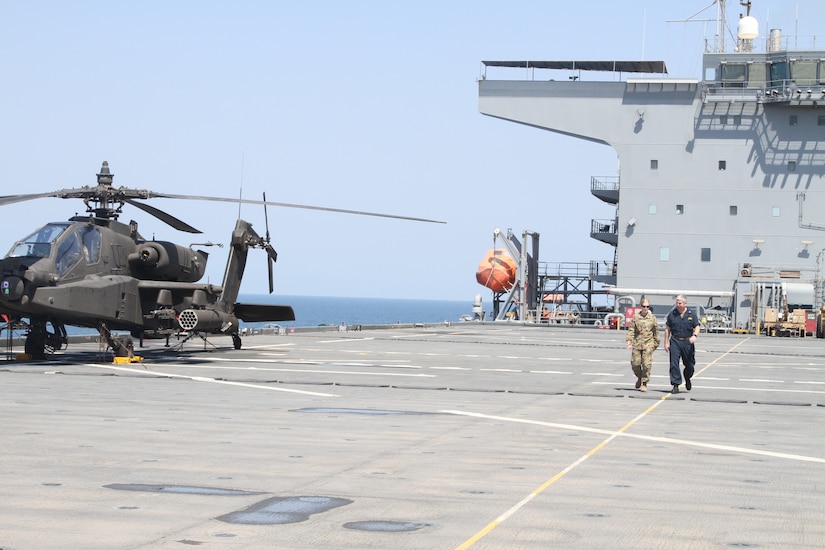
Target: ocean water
[(311, 311)]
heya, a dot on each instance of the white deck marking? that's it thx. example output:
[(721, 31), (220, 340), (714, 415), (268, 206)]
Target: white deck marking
[(212, 380), (314, 371), (659, 439)]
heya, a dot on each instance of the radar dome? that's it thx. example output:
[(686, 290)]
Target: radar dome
[(748, 28)]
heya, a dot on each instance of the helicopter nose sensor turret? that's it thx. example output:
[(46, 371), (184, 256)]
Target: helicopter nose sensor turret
[(11, 289)]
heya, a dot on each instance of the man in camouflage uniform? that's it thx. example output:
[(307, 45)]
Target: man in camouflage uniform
[(643, 339)]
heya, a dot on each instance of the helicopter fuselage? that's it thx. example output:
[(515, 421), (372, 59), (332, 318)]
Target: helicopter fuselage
[(87, 271)]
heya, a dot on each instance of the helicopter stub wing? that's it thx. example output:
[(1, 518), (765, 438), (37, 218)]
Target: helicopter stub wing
[(175, 286)]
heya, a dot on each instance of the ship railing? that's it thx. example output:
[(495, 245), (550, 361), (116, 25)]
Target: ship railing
[(773, 42), (603, 226), (569, 314), (570, 71), (799, 91), (718, 92), (604, 183), (576, 270), (602, 268)]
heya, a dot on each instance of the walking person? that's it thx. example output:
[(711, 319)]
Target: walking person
[(643, 339), (681, 331)]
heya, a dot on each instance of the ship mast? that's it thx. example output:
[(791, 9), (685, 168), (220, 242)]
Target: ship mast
[(746, 28), (718, 45), (721, 19)]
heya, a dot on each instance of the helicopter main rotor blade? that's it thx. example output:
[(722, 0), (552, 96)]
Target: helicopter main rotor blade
[(288, 205), (11, 199), (102, 193), (163, 216)]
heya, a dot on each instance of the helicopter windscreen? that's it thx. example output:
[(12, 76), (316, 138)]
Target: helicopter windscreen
[(39, 243)]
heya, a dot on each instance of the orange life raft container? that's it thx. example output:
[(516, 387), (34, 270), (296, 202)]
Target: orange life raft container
[(497, 271)]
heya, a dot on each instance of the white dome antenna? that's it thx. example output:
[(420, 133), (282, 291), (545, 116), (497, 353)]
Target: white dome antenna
[(748, 28)]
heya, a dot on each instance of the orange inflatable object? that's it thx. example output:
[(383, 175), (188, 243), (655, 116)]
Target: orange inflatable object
[(497, 271)]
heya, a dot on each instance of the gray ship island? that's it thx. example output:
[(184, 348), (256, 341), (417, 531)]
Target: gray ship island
[(719, 191)]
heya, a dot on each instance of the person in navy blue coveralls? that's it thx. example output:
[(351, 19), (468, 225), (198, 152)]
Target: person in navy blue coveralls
[(681, 330)]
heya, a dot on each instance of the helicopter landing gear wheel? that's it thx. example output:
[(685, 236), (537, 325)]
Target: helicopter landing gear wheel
[(236, 341), (35, 345), (40, 342), (125, 346)]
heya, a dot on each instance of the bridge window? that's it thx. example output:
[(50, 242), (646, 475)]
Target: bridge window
[(776, 211), (779, 73), (791, 166), (733, 75), (804, 72), (723, 165), (757, 75), (654, 164), (734, 210), (680, 209), (664, 254), (651, 208), (705, 255)]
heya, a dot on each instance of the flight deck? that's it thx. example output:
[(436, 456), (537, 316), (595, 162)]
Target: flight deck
[(469, 435)]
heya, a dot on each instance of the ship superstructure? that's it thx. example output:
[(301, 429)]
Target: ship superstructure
[(721, 177)]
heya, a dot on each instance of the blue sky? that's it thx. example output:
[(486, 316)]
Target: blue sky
[(356, 105)]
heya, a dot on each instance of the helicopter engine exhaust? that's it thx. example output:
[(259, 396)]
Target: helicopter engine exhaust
[(207, 320), (161, 260)]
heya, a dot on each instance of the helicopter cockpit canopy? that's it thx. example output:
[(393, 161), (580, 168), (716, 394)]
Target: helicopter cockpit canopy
[(39, 243), (73, 241)]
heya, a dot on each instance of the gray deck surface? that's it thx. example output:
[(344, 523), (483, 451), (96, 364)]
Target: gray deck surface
[(465, 436)]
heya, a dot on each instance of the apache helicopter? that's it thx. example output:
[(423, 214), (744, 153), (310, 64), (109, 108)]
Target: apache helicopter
[(94, 271)]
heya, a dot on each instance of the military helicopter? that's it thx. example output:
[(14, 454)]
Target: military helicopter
[(94, 271)]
